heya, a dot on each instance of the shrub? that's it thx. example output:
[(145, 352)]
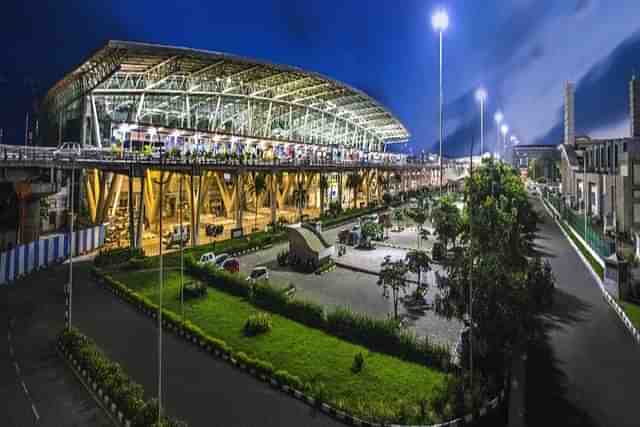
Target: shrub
[(283, 377), (258, 323), (282, 258), (306, 312), (358, 363), (138, 263), (117, 256), (264, 295), (437, 252), (126, 394)]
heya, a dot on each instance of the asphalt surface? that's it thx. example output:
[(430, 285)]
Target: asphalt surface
[(197, 388), (41, 390), (584, 370)]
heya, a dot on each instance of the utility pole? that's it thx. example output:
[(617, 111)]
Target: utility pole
[(71, 248)]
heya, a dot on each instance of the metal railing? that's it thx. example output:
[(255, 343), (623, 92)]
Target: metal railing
[(19, 153), (601, 244)]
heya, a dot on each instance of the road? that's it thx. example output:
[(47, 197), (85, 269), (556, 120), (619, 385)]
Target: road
[(585, 368), (197, 388), (42, 386)]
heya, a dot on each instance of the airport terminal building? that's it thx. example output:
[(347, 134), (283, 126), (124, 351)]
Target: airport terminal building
[(235, 142)]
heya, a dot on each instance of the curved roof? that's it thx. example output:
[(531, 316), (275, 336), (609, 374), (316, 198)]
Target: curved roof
[(125, 68)]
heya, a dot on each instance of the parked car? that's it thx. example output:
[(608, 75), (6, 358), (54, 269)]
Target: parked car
[(258, 273), (232, 265), (221, 258), (67, 150), (212, 258), (208, 258)]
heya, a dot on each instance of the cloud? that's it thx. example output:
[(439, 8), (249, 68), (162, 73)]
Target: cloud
[(602, 95), (517, 30)]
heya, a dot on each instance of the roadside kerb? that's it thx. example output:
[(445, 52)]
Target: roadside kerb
[(341, 416), (610, 300)]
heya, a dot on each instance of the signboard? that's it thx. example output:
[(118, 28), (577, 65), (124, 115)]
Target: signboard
[(236, 233)]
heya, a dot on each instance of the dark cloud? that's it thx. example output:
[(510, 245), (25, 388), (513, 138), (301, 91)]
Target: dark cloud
[(602, 95), (517, 30)]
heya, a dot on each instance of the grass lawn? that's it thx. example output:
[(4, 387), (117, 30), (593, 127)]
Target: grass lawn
[(633, 311), (385, 384)]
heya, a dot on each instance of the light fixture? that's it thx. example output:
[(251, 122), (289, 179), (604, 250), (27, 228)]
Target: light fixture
[(440, 20)]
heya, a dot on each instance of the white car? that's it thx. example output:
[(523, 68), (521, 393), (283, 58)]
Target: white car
[(211, 258), (67, 150), (258, 273), (208, 258)]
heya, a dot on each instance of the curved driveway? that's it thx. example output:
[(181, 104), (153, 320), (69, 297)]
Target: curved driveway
[(585, 368), (197, 388)]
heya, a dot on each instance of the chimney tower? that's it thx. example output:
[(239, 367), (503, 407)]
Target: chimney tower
[(634, 106), (569, 123)]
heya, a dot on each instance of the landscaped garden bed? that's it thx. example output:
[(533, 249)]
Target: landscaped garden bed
[(386, 389), (118, 393)]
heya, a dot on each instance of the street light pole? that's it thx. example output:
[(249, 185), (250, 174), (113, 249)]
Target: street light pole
[(505, 130), (481, 97), (181, 250), (71, 250), (440, 22), (498, 116)]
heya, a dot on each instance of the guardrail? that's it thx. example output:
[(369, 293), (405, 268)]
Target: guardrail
[(24, 154)]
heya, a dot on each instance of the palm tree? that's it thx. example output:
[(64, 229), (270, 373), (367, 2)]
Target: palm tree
[(324, 185), (353, 182), (418, 261), (300, 197), (258, 186)]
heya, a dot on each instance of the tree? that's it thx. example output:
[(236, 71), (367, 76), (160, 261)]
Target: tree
[(258, 186), (418, 262), (354, 180), (393, 277), (492, 279), (419, 217), (369, 230), (300, 197), (324, 185), (447, 220), (398, 216)]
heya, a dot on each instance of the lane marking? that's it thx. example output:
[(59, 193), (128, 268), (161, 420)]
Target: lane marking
[(35, 412), (17, 368), (24, 387)]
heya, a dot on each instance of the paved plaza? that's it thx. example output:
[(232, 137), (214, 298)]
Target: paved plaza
[(359, 290)]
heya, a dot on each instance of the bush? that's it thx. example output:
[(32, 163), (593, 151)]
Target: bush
[(138, 263), (125, 393), (282, 258), (117, 256), (437, 252), (285, 378), (358, 363), (256, 324)]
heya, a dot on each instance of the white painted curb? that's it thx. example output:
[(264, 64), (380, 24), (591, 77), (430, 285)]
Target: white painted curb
[(610, 300)]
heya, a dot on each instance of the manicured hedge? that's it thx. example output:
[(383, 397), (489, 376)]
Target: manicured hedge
[(384, 336), (212, 344), (117, 256), (112, 379)]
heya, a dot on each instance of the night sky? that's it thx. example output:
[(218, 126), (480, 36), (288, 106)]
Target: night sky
[(522, 51)]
